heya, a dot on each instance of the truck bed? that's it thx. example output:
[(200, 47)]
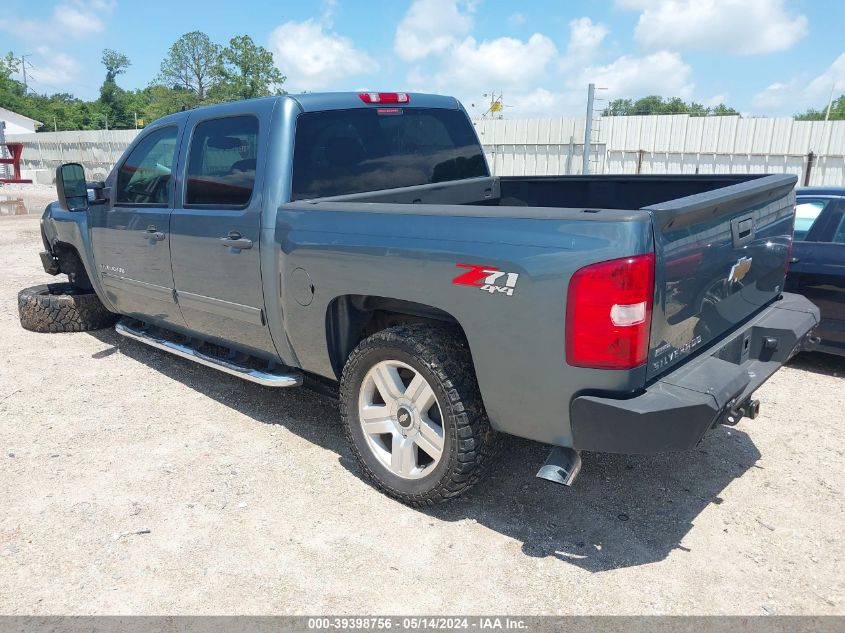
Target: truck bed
[(721, 241)]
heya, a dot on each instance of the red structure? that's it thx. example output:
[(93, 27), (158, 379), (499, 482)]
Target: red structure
[(15, 149)]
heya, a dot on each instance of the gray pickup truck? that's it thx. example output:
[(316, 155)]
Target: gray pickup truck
[(360, 240)]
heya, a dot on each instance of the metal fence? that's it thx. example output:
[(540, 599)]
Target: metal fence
[(813, 150)]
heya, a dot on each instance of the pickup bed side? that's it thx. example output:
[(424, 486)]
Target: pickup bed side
[(356, 254)]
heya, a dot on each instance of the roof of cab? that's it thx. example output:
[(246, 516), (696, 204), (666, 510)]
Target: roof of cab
[(317, 101), (320, 101)]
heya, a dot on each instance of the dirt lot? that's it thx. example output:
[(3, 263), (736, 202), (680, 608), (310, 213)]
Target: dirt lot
[(253, 505)]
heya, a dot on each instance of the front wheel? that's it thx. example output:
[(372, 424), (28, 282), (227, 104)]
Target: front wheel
[(413, 414)]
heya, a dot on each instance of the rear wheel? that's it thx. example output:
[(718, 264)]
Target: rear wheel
[(413, 414), (62, 307)]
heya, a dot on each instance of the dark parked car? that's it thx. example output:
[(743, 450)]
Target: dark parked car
[(817, 266)]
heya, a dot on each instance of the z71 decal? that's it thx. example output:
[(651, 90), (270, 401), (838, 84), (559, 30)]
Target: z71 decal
[(488, 278)]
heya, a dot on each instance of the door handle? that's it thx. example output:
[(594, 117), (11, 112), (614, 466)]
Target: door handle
[(234, 240), (153, 234), (794, 260)]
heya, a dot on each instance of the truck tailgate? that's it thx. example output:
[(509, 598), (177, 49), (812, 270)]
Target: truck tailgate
[(720, 257)]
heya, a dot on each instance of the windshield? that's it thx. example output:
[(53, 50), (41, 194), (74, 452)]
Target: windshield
[(352, 151)]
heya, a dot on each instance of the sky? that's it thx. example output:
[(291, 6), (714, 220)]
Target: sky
[(762, 57)]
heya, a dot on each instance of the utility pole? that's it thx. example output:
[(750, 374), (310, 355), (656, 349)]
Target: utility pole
[(23, 69), (588, 130), (830, 101)]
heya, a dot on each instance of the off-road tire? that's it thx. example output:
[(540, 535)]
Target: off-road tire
[(62, 307), (442, 356)]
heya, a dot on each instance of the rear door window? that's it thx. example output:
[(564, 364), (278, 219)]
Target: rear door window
[(222, 161), (369, 149), (806, 214), (818, 219)]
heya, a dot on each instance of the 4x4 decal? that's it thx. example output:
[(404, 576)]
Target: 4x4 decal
[(488, 278)]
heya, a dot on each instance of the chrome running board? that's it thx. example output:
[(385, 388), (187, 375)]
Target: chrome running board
[(290, 378)]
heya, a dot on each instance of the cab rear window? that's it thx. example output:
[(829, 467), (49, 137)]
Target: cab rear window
[(341, 152)]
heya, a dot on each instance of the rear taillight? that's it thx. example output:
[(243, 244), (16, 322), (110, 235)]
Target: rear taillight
[(385, 97), (608, 313)]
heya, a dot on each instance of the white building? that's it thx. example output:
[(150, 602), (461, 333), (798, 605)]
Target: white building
[(18, 123)]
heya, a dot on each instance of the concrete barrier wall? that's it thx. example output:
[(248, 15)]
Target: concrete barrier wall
[(96, 150)]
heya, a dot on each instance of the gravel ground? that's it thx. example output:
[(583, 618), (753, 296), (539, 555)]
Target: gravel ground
[(18, 199), (134, 482)]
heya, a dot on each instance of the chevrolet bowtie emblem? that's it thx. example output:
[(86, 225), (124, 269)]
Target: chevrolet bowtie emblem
[(739, 270)]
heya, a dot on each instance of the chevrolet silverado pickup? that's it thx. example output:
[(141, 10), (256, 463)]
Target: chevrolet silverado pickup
[(360, 240)]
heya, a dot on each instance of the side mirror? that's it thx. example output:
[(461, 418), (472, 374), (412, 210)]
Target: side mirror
[(71, 187)]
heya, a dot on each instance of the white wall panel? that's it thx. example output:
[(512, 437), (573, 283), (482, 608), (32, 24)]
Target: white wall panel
[(670, 144)]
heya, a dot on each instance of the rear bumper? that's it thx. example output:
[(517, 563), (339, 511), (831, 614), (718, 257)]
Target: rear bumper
[(674, 413)]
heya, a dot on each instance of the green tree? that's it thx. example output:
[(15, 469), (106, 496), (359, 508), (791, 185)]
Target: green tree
[(9, 65), (723, 110), (190, 64), (112, 106), (837, 112), (245, 70), (12, 94), (619, 107), (654, 104), (116, 63), (164, 100), (63, 111)]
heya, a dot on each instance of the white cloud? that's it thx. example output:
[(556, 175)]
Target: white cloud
[(328, 10), (585, 37), (74, 19), (314, 57), (106, 6), (431, 27), (493, 63), (50, 68), (537, 79), (542, 103), (661, 73), (731, 26), (831, 79), (56, 70), (715, 100), (772, 97), (800, 93), (516, 19)]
